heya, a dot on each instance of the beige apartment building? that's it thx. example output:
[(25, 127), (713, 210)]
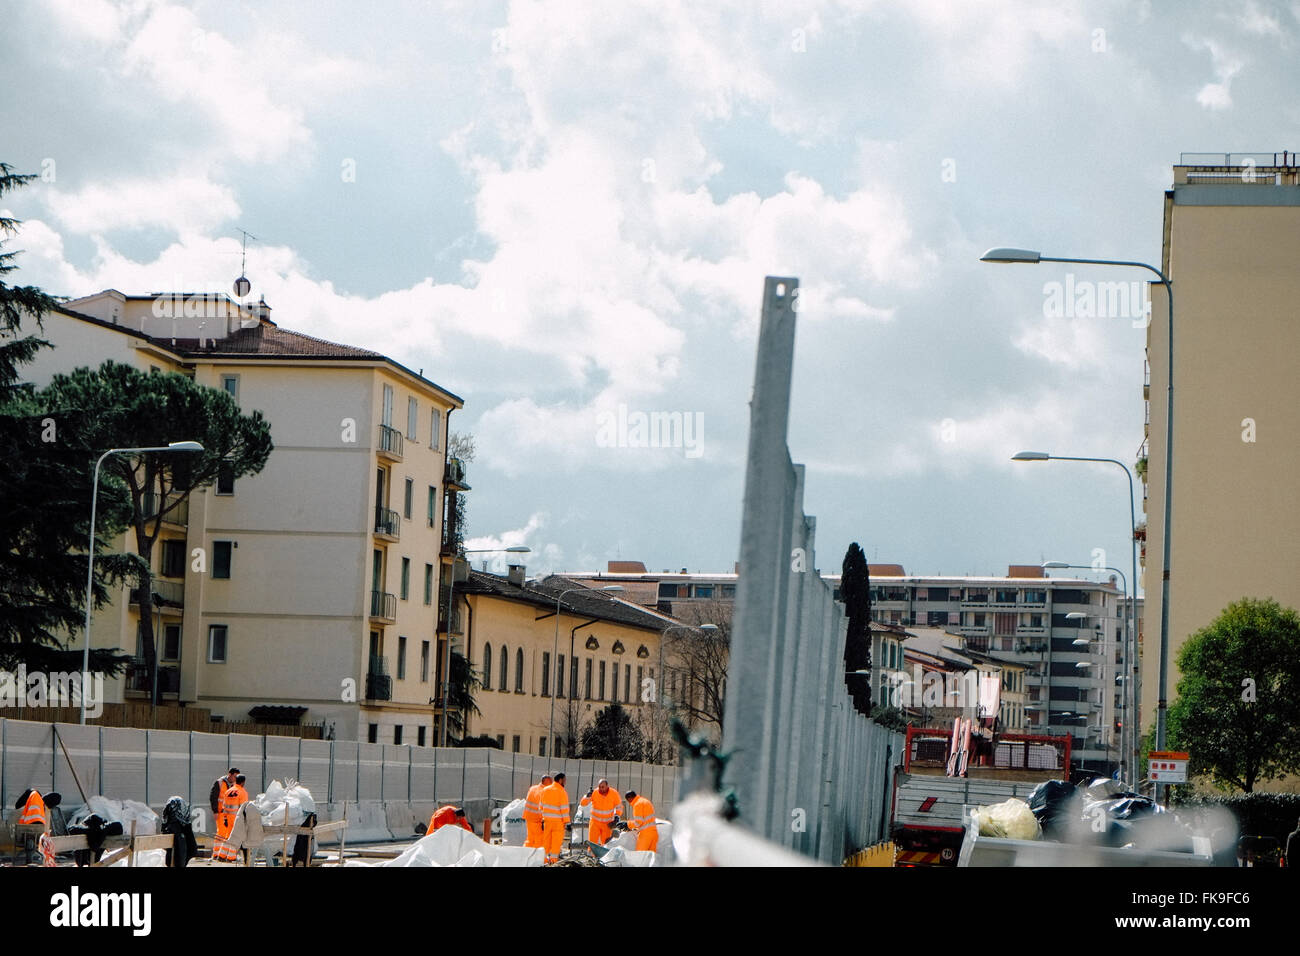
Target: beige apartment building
[(316, 601), (1231, 231), (541, 690)]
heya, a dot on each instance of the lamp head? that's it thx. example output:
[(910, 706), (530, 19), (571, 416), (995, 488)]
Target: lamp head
[(1055, 564), (1031, 456), (1004, 254), (184, 446)]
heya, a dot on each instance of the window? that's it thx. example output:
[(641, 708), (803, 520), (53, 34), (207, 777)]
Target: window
[(627, 682), (541, 746), (433, 506), (435, 432), (501, 741), (559, 676), (407, 498), (412, 420), (419, 737), (424, 663), (1004, 623), (217, 634), (226, 478), (428, 585), (602, 681), (979, 618), (613, 684), (640, 682), (173, 558), (514, 743), (401, 660), (171, 649), (667, 590), (406, 578), (397, 734), (373, 737), (487, 666), (505, 668), (230, 384), (546, 675), (588, 693), (221, 552), (388, 407), (1004, 596), (573, 677), (1035, 597), (519, 671), (702, 591)]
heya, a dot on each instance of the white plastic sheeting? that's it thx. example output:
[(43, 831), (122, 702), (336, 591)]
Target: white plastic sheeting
[(620, 856), (119, 811), (278, 798), (513, 829), (452, 846)]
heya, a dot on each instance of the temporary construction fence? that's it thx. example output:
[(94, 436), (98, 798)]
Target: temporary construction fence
[(809, 771), (388, 788)]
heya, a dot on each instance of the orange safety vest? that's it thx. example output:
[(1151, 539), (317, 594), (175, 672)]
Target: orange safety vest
[(533, 803), (34, 810), (445, 817), (643, 815), (555, 804), (603, 808), (234, 798)]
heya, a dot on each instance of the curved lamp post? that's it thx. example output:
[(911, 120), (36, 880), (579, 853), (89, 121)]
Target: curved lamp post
[(190, 446), (1008, 255), (555, 646)]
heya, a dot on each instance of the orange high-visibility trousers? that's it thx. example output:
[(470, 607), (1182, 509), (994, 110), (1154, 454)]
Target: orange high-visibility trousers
[(534, 838), (599, 833), (553, 839), (647, 838)]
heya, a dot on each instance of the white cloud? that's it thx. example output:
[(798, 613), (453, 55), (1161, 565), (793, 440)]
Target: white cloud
[(1226, 64), (190, 204)]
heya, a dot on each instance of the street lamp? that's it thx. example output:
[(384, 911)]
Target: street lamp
[(1130, 689), (1025, 255), (555, 647), (1084, 665), (190, 446), (451, 607)]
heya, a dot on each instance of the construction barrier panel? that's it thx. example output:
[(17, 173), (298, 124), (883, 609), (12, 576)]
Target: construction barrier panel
[(169, 766), (315, 767), (345, 777)]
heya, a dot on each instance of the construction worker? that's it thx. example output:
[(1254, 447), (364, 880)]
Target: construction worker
[(448, 816), (533, 812), (219, 788), (231, 801), (605, 804), (641, 818), (555, 817)]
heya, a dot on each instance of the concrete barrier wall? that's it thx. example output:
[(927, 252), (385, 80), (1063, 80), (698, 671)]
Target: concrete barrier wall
[(153, 765)]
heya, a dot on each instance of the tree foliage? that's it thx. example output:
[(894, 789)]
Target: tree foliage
[(612, 736), (463, 681), (118, 406), (855, 592), (1238, 706), (695, 663), (45, 486)]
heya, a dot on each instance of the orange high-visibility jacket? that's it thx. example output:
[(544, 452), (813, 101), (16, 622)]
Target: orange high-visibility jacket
[(555, 804), (643, 815), (34, 810), (235, 797), (603, 808), (533, 803), (446, 816)]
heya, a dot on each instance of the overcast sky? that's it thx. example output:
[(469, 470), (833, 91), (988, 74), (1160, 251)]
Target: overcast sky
[(559, 209)]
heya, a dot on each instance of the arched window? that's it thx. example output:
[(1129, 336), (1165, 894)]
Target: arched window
[(505, 668), (487, 666), (519, 671)]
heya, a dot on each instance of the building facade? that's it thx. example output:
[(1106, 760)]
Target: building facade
[(314, 598), (1231, 227)]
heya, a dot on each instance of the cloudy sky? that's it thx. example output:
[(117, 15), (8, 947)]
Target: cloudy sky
[(558, 209)]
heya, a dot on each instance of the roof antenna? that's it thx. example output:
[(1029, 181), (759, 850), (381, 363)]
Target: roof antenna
[(242, 285)]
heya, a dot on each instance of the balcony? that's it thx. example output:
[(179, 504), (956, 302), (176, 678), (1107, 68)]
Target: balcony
[(178, 516), (139, 678), (379, 686), (167, 594), (1026, 630), (454, 475), (383, 607), (390, 443), (388, 523)]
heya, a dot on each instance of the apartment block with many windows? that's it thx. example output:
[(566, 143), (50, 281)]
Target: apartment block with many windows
[(316, 598)]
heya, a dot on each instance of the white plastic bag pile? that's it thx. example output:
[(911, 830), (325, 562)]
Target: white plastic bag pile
[(120, 811), (279, 796), (513, 828)]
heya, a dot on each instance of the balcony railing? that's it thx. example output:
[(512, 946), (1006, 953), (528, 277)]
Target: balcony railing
[(390, 442), (179, 515), (454, 475), (170, 593), (383, 606), (387, 522), (379, 686), (139, 678)]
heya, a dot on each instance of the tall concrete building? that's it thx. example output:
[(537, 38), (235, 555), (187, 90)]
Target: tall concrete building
[(317, 597), (1231, 231)]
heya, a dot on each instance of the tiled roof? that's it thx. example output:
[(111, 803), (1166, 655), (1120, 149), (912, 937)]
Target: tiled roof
[(586, 601), (273, 341)]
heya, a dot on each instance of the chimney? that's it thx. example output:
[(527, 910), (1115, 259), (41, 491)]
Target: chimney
[(515, 575), (263, 311)]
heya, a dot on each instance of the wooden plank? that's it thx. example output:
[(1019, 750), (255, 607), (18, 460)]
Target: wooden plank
[(110, 858)]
